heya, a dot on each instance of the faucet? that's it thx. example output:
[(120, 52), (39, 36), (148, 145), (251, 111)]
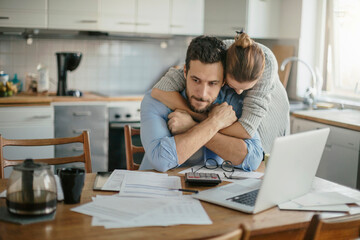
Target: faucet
[(310, 92)]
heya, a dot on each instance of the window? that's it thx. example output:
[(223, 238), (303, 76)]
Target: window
[(342, 49)]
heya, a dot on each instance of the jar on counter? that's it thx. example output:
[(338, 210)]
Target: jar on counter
[(4, 77)]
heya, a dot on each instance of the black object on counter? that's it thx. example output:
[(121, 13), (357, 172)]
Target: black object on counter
[(66, 61)]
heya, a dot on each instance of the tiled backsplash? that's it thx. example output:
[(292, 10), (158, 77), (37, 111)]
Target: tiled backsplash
[(123, 65)]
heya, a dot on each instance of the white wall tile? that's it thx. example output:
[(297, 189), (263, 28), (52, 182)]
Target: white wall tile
[(106, 65)]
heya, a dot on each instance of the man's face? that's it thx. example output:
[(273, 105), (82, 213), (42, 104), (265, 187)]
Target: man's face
[(203, 84)]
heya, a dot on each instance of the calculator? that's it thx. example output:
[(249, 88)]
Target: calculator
[(202, 179)]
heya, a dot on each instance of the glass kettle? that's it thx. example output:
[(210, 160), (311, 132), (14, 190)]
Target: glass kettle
[(31, 189)]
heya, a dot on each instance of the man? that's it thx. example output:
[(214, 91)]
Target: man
[(191, 143)]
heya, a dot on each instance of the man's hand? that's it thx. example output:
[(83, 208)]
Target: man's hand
[(180, 121), (223, 114)]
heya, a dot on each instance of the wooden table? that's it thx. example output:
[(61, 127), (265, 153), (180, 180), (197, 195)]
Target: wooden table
[(270, 224)]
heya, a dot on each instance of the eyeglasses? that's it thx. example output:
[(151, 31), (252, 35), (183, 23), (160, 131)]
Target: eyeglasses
[(211, 163)]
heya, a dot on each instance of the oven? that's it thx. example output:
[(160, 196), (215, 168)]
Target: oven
[(121, 114)]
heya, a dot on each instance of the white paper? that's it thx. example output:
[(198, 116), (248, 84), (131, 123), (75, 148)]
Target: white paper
[(121, 212), (238, 173), (329, 208), (3, 194), (323, 198), (354, 210), (150, 185), (116, 178)]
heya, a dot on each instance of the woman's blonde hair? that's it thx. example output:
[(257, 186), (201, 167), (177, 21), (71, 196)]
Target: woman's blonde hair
[(245, 60)]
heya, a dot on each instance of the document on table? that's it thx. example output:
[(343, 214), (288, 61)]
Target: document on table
[(319, 201), (150, 185), (116, 178), (238, 173), (323, 199), (122, 212), (329, 208)]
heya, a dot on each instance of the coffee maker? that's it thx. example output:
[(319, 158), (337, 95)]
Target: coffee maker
[(66, 61)]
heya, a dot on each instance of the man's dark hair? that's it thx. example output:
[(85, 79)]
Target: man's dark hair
[(206, 49)]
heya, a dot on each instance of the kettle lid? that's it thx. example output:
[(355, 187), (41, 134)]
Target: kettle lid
[(30, 165)]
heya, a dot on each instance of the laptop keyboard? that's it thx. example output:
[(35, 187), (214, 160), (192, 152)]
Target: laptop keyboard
[(248, 198)]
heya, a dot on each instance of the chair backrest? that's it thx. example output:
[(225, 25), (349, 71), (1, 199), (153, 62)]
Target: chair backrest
[(241, 233), (345, 227), (130, 148), (82, 138)]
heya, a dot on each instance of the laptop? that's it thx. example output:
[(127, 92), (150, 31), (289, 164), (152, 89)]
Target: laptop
[(289, 173)]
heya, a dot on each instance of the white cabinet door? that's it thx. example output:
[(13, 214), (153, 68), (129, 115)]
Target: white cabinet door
[(27, 123), (117, 15), (153, 16), (263, 18), (274, 19), (23, 13), (223, 18), (187, 17), (340, 160), (73, 14)]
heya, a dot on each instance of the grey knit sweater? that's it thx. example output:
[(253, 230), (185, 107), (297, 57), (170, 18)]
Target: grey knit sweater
[(266, 105)]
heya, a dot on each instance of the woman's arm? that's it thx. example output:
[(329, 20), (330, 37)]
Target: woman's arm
[(174, 100)]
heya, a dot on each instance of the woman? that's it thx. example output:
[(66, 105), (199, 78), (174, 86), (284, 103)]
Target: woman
[(251, 69)]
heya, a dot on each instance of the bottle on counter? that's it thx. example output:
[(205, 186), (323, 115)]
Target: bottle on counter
[(43, 80), (17, 82)]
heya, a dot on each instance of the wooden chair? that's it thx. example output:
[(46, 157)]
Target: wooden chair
[(242, 233), (130, 148), (83, 138), (345, 227)]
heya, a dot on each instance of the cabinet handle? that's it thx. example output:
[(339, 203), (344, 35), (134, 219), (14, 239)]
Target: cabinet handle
[(81, 114), (4, 18), (79, 131), (176, 26), (41, 116), (88, 21), (143, 24), (125, 23)]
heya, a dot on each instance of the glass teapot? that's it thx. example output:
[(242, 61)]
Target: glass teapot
[(31, 189)]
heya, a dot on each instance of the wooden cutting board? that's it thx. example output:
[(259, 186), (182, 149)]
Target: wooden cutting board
[(281, 52)]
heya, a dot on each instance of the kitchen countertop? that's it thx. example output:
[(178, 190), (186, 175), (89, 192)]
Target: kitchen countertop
[(346, 118), (26, 99)]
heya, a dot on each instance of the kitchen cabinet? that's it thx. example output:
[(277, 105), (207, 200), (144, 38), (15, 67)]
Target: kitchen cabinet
[(117, 15), (71, 120), (275, 19), (187, 17), (27, 123), (141, 16), (73, 14), (340, 160), (153, 16), (223, 18), (23, 13)]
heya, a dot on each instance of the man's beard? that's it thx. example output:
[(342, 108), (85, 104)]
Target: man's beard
[(203, 110)]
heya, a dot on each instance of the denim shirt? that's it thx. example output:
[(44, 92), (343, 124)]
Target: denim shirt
[(159, 143)]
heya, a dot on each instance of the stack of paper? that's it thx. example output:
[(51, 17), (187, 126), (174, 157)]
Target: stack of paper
[(319, 201), (123, 212), (145, 199)]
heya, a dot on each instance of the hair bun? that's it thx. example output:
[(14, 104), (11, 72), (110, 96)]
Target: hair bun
[(243, 40)]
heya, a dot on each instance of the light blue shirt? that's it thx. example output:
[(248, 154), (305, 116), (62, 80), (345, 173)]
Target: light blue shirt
[(159, 143)]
